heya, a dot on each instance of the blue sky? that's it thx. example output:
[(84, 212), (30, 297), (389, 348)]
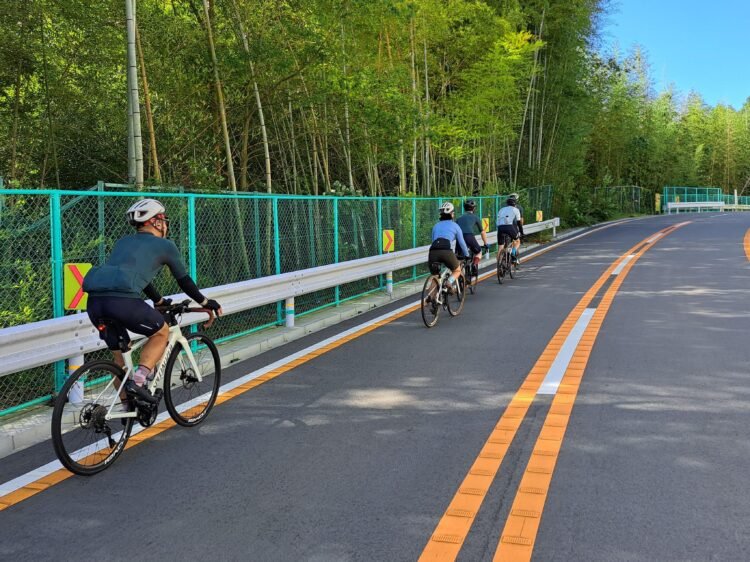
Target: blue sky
[(698, 45)]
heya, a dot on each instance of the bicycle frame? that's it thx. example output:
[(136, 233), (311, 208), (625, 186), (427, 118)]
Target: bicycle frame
[(175, 337)]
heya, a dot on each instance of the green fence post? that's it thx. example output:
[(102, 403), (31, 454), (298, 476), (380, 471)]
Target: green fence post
[(311, 235), (277, 250), (192, 240), (414, 232), (100, 216), (58, 310), (379, 236), (256, 222), (337, 289)]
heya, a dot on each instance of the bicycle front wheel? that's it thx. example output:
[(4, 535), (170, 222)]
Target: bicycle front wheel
[(455, 301), (188, 398), (471, 279), (511, 267), (84, 441), (430, 305)]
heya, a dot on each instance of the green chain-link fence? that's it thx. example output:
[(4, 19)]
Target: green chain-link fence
[(223, 238)]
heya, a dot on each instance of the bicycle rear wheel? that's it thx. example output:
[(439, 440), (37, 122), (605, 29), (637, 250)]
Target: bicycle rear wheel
[(189, 400), (430, 305), (84, 441), (455, 301), (501, 267)]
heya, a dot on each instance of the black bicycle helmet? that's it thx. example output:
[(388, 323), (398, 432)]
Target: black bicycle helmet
[(512, 202), (470, 205)]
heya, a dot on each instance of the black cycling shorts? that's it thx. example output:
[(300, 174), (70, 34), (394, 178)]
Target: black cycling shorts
[(509, 229), (446, 257), (124, 313)]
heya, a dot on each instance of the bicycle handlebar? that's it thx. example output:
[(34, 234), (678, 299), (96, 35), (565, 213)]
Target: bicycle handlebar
[(211, 316), (172, 310)]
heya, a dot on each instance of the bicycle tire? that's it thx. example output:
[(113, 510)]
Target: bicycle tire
[(456, 300), (430, 307), (511, 267), (76, 458), (471, 279), (187, 383), (501, 268)]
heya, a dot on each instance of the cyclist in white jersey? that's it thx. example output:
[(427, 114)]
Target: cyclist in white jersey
[(510, 222)]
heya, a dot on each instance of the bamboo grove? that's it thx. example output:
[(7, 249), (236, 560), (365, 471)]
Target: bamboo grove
[(380, 97)]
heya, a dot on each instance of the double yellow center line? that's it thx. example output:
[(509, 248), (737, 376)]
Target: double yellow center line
[(518, 536)]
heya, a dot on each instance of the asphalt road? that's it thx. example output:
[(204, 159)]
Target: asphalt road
[(356, 454)]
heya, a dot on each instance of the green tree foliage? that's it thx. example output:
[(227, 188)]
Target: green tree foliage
[(372, 96)]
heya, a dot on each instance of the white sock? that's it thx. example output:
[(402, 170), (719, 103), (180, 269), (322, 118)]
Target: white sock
[(140, 375)]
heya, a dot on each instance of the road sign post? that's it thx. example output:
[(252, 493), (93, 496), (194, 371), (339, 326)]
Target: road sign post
[(389, 244)]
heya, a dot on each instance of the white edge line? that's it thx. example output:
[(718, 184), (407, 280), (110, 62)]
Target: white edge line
[(45, 470), (554, 376)]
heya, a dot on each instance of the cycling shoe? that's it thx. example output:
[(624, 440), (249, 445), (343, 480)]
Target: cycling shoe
[(140, 392)]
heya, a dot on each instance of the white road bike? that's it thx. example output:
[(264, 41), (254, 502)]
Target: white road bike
[(91, 423)]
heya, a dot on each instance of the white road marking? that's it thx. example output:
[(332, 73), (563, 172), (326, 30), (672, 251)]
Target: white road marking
[(622, 265), (556, 371)]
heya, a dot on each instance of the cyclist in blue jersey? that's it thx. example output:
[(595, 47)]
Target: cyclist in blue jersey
[(445, 235), (115, 291)]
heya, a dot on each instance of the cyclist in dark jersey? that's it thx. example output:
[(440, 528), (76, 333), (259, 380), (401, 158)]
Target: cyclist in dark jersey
[(115, 290), (471, 225)]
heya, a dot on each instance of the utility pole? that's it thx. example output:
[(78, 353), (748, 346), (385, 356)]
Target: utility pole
[(135, 142)]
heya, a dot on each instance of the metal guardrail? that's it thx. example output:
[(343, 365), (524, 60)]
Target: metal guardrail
[(40, 343), (699, 205)]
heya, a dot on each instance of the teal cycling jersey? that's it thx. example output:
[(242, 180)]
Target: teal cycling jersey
[(135, 261), (469, 223)]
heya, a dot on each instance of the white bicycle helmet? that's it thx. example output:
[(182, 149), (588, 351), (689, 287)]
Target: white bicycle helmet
[(144, 210), (446, 208)]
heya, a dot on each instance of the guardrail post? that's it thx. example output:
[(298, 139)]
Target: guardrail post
[(76, 392), (337, 289), (289, 311), (58, 310), (389, 283), (554, 230), (277, 250)]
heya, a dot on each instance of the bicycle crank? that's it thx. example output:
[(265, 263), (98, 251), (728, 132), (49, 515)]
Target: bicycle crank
[(146, 412)]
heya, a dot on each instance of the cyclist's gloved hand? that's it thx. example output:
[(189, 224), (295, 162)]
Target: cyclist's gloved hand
[(211, 304), (164, 302), (485, 249)]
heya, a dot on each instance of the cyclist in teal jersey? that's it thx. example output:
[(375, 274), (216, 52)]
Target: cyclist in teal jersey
[(471, 225), (115, 291)]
